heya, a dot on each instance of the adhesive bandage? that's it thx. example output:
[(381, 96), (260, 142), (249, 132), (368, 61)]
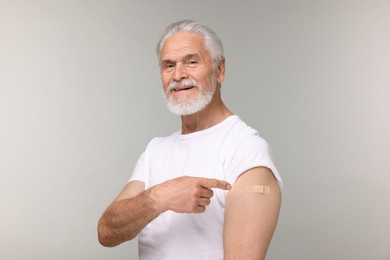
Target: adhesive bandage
[(258, 188)]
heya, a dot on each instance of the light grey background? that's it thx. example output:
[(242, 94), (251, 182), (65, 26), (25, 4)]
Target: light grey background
[(80, 97)]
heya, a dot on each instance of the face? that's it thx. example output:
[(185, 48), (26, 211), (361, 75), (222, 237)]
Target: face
[(187, 73)]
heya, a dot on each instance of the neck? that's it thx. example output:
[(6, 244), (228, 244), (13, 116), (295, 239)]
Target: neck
[(212, 114)]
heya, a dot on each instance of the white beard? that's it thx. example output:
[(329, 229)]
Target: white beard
[(184, 106)]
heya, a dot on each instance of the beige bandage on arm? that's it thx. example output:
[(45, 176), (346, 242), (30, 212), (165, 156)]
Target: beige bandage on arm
[(258, 188)]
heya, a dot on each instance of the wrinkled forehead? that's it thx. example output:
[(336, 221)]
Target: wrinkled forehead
[(182, 44)]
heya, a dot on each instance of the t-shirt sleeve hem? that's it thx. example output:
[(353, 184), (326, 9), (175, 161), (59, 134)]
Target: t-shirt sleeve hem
[(248, 167)]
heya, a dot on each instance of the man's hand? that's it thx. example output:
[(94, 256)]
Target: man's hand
[(185, 194)]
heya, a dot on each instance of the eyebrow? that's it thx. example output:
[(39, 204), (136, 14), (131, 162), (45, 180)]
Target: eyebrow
[(186, 57)]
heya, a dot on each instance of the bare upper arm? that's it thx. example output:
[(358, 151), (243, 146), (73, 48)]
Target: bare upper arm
[(251, 214), (131, 190)]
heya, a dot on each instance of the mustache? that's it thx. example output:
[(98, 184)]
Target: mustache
[(183, 83)]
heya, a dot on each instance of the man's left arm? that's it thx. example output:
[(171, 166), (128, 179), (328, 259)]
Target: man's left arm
[(251, 214)]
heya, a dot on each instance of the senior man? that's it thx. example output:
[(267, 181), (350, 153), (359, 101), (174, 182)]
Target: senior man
[(209, 191)]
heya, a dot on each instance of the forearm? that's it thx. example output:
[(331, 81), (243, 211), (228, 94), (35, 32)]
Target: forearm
[(135, 207), (124, 219)]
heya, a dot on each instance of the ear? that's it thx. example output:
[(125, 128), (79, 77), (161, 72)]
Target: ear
[(221, 71)]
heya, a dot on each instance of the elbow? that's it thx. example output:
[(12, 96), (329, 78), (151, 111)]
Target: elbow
[(110, 237), (104, 235), (105, 241)]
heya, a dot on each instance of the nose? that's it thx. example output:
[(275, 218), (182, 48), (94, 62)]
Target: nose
[(180, 72)]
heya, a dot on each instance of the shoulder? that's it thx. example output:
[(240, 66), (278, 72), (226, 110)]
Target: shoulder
[(160, 142), (246, 149), (243, 135), (163, 139)]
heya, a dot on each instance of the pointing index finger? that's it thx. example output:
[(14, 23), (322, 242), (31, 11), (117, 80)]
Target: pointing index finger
[(215, 183)]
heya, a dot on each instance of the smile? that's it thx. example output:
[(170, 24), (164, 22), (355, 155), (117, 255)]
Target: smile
[(183, 88)]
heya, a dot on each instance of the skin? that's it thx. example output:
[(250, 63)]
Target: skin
[(175, 49), (250, 218), (136, 207)]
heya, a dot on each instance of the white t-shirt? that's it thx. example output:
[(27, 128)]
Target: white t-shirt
[(224, 152)]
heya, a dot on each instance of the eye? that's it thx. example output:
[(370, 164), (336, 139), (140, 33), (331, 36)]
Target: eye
[(192, 63), (168, 66)]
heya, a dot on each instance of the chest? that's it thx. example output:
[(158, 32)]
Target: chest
[(199, 159)]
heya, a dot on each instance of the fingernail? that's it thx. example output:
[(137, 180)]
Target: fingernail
[(228, 186)]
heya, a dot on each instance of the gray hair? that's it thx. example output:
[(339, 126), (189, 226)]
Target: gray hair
[(211, 40)]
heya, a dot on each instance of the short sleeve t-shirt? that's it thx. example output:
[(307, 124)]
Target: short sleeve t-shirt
[(224, 152)]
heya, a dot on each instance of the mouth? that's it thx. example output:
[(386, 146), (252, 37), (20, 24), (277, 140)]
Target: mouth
[(182, 88)]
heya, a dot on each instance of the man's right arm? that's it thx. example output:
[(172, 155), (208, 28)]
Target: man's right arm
[(130, 212), (136, 207)]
